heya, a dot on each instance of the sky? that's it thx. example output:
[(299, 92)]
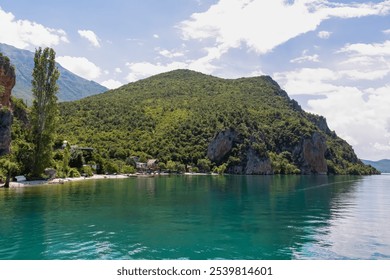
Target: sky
[(333, 56)]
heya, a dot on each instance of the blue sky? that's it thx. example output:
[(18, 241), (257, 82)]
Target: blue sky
[(333, 57)]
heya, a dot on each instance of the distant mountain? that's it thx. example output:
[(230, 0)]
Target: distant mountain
[(382, 165), (72, 87), (241, 126)]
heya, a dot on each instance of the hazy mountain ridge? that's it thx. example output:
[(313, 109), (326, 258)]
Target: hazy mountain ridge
[(382, 165), (71, 86)]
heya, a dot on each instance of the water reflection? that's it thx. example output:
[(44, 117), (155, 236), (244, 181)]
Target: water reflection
[(358, 226)]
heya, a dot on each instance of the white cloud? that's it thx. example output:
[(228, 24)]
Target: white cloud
[(385, 90), (111, 84), (90, 36), (80, 66), (375, 49), (26, 34), (118, 70), (170, 54), (354, 74), (309, 81), (142, 70), (365, 61), (203, 64), (382, 147), (387, 31), (359, 116), (229, 23), (324, 34), (359, 60), (256, 73), (353, 10), (306, 58), (156, 36), (362, 122)]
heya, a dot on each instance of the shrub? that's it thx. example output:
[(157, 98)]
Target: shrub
[(87, 170), (128, 169), (73, 173)]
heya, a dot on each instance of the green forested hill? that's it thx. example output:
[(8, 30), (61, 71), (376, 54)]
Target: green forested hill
[(246, 126)]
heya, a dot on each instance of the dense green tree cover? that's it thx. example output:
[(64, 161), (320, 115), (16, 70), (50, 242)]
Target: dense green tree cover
[(19, 160), (44, 113), (173, 117), (33, 129)]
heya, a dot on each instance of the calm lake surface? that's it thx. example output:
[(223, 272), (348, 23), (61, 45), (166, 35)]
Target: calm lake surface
[(199, 217)]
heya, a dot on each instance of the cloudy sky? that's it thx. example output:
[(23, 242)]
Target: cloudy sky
[(332, 56)]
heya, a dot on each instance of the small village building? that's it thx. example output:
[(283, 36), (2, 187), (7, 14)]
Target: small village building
[(152, 164), (141, 165), (20, 178)]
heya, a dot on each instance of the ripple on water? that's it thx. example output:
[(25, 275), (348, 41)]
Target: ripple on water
[(137, 249), (9, 252)]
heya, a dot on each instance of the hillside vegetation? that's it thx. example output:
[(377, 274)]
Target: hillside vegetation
[(181, 119)]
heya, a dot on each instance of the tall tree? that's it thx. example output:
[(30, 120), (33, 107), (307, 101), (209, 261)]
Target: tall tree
[(44, 114), (9, 167)]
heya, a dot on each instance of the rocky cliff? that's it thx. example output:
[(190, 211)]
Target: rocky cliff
[(7, 82), (308, 155), (311, 155), (221, 145)]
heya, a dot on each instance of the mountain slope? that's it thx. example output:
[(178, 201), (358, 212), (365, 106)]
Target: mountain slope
[(71, 86), (381, 165), (246, 126)]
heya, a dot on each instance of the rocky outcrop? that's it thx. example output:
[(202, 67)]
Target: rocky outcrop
[(257, 165), (311, 155), (5, 131), (7, 82), (221, 145), (321, 123)]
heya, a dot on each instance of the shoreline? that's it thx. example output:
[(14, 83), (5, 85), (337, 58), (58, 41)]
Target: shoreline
[(60, 181)]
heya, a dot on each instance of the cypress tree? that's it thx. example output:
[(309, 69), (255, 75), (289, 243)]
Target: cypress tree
[(44, 114)]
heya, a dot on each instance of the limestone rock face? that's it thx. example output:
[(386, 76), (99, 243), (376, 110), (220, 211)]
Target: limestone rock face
[(252, 163), (7, 82), (5, 131), (221, 145), (312, 155), (256, 165), (309, 154)]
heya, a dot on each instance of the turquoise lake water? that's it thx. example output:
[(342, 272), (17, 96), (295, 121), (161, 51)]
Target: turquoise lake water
[(199, 217)]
